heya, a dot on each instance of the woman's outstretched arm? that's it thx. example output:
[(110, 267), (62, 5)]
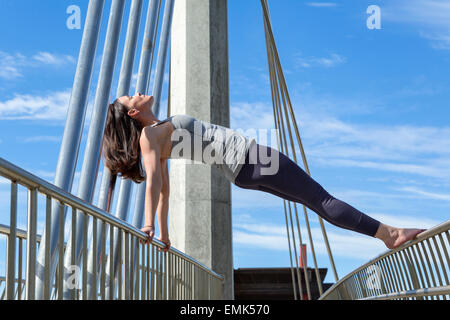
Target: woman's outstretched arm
[(151, 156), (163, 205)]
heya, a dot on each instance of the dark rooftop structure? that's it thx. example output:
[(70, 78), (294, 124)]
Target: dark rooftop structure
[(275, 283)]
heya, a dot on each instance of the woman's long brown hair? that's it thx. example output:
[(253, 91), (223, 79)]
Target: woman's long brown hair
[(121, 147)]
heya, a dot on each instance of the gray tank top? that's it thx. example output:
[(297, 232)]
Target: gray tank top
[(198, 140)]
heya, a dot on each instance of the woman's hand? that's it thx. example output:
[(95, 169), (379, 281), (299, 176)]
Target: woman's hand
[(150, 231), (166, 242)]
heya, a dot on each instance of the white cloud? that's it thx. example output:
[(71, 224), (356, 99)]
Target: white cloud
[(321, 4), (26, 106), (402, 221), (332, 60), (344, 243), (53, 59), (265, 241), (263, 228), (418, 86), (250, 117), (329, 141), (438, 41), (349, 245), (353, 195), (429, 17), (46, 175), (242, 200), (427, 194), (427, 13), (395, 142), (42, 139), (418, 150), (12, 65), (9, 65), (425, 170)]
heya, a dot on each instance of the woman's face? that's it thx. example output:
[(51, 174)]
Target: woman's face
[(139, 102)]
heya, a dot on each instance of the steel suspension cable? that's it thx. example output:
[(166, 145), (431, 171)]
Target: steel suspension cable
[(277, 125), (278, 82), (278, 118)]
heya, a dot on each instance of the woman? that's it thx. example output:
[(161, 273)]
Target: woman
[(133, 130)]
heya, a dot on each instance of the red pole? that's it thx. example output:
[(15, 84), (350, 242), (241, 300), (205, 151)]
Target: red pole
[(304, 254)]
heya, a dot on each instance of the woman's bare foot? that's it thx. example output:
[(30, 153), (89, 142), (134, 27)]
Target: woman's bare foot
[(395, 237)]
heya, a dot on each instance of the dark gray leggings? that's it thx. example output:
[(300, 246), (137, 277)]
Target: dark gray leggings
[(292, 183)]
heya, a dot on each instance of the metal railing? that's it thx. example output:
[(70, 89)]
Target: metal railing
[(417, 270), (158, 275)]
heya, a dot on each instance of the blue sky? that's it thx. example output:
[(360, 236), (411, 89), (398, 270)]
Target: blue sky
[(372, 108)]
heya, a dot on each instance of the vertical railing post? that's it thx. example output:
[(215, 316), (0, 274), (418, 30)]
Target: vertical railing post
[(432, 253), (73, 294), (390, 275), (412, 271), (151, 282), (144, 274), (47, 285), (438, 251), (85, 221), (110, 277), (126, 269), (11, 253), (427, 283), (119, 250), (135, 284), (19, 291), (31, 244), (60, 251), (92, 280), (103, 262)]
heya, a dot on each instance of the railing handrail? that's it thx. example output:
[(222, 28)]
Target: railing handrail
[(412, 293), (29, 180), (22, 234), (3, 279), (424, 235)]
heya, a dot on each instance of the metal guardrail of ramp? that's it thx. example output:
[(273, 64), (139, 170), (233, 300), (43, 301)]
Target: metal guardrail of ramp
[(417, 270), (158, 275)]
